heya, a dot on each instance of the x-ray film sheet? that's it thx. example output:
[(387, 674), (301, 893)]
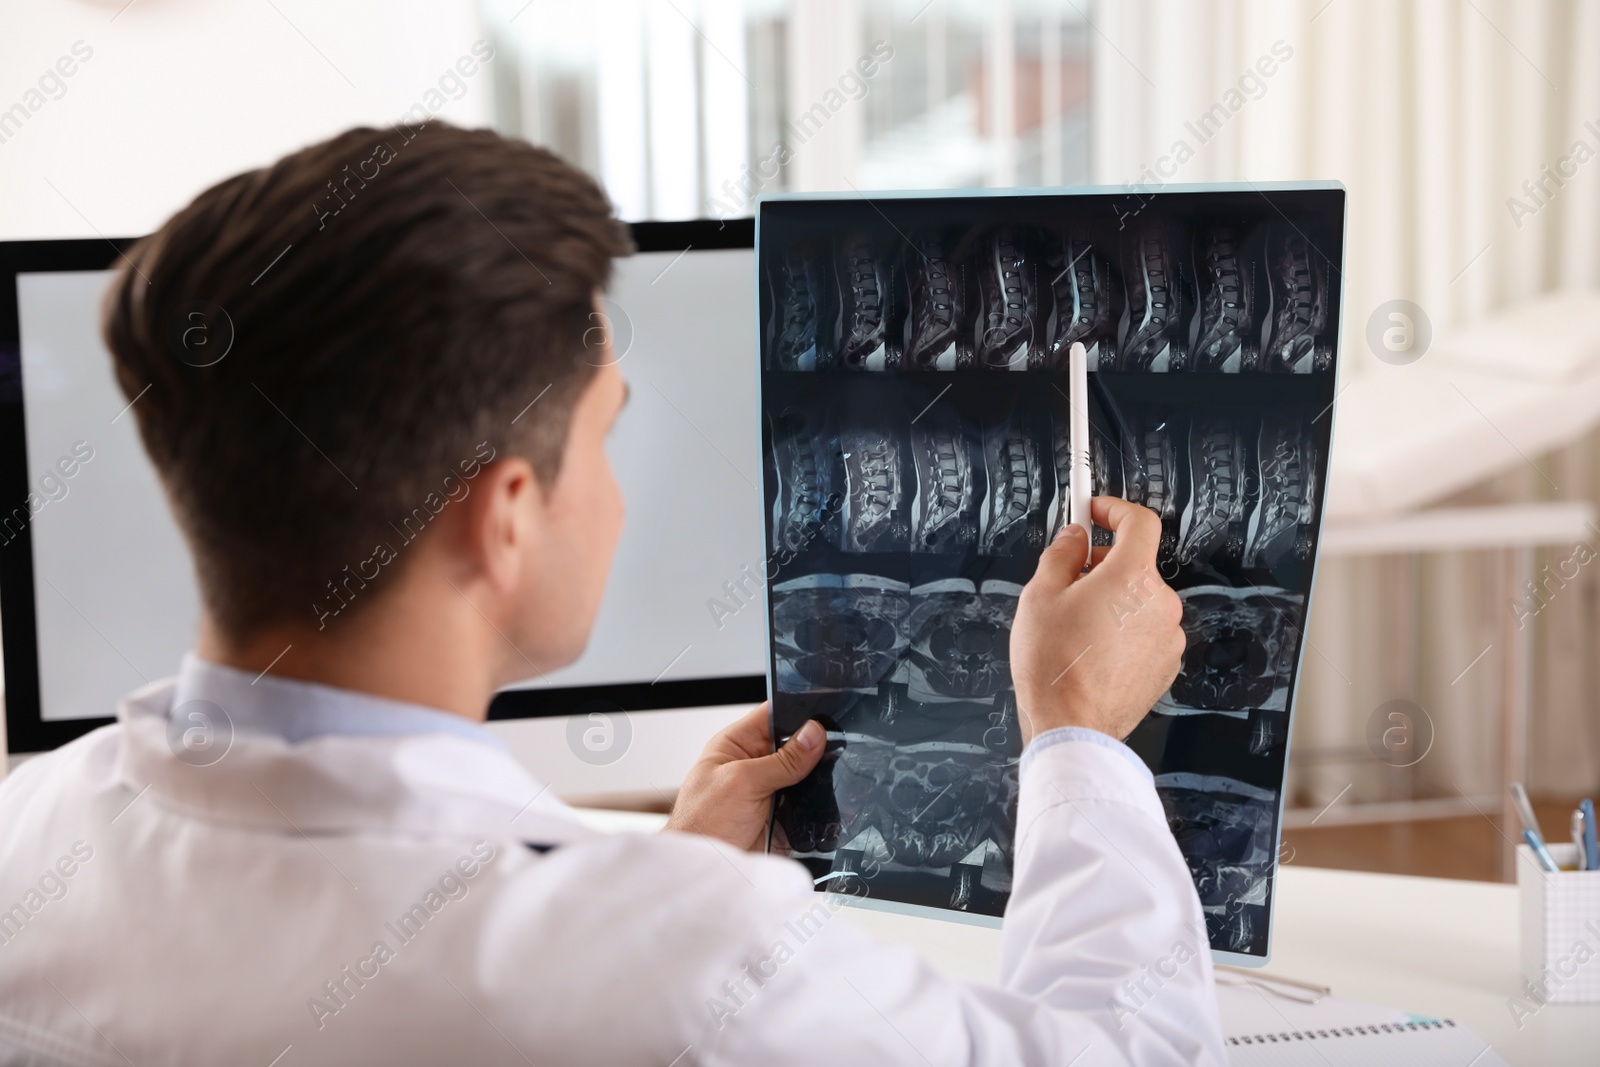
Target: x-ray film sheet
[(914, 405)]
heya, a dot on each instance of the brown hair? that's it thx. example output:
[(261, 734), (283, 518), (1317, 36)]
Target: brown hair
[(315, 346)]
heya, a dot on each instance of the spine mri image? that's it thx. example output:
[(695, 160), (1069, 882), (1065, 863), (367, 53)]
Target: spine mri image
[(915, 418)]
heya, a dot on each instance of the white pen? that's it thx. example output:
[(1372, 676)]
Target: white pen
[(1078, 434)]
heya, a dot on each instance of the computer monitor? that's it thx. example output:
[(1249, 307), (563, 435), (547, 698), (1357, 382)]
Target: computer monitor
[(97, 592)]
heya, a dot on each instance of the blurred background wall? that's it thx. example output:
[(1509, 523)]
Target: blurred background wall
[(1455, 125)]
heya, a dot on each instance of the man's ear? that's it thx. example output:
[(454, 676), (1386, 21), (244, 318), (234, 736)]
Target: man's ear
[(499, 518)]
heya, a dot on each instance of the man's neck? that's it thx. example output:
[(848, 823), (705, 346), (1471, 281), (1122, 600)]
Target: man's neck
[(435, 656)]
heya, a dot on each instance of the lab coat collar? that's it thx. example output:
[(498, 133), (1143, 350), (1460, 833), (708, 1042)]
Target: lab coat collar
[(297, 711), (418, 783)]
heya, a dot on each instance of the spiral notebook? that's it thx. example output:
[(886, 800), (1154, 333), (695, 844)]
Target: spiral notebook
[(1263, 1029)]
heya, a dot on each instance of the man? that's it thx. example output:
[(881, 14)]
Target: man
[(384, 533)]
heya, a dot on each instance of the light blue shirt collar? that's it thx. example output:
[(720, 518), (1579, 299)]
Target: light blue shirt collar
[(298, 711)]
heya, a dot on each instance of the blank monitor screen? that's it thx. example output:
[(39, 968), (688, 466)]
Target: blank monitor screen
[(96, 585)]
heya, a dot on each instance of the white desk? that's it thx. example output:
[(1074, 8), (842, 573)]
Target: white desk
[(1428, 945)]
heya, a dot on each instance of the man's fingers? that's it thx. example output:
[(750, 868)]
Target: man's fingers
[(1136, 528), (1062, 559), (767, 774), (749, 735)]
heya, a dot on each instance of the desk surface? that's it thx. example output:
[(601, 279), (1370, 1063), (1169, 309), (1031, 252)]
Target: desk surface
[(1432, 946)]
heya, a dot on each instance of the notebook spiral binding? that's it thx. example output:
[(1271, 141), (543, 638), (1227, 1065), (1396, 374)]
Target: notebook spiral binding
[(1342, 1031)]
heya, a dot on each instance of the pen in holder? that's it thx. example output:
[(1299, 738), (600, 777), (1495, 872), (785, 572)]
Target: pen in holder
[(1560, 927)]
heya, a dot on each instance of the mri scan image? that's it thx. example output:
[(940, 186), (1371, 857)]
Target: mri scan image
[(1227, 832), (1240, 652), (876, 515), (1155, 295), (948, 497), (915, 391), (960, 639), (919, 800), (1229, 491), (1160, 301), (1219, 480), (838, 631), (865, 288), (1297, 277), (1085, 302), (1225, 326), (796, 335), (1014, 508), (810, 480), (1282, 523), (1005, 323), (937, 282), (1106, 472), (891, 814), (1151, 472)]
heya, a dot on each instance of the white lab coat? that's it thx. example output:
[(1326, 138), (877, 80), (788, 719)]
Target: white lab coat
[(371, 899)]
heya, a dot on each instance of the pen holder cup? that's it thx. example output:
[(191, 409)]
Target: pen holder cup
[(1560, 927)]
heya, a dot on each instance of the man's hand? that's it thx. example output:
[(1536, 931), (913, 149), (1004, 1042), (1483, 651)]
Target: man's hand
[(1097, 650), (727, 794)]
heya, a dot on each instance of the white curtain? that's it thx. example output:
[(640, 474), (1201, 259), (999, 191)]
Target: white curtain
[(651, 95), (1440, 117)]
